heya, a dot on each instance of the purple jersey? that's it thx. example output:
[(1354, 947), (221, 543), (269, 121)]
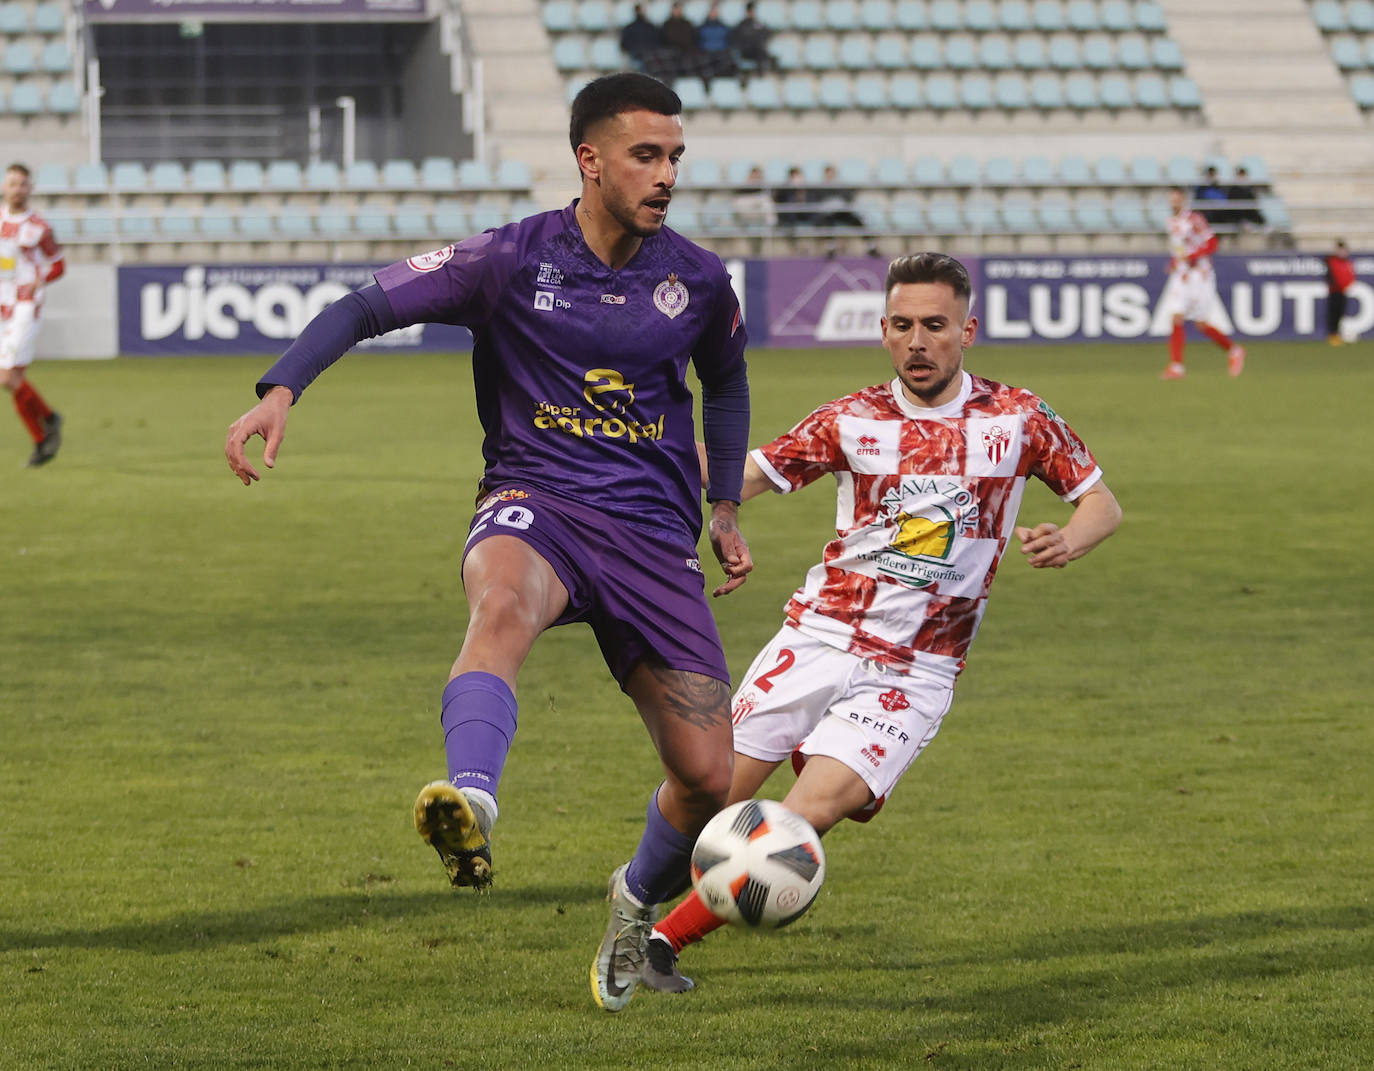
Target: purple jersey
[(579, 369)]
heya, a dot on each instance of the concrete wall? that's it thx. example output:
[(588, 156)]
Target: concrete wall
[(432, 119), (79, 314)]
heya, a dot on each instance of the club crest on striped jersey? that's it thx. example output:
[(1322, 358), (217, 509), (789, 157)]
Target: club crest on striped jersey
[(996, 439), (671, 297)]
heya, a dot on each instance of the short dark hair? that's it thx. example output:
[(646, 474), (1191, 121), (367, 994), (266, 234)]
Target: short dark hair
[(929, 268), (613, 94), (22, 169)]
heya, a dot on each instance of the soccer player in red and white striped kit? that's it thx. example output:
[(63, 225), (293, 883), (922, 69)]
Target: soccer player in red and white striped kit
[(1191, 292), (30, 259)]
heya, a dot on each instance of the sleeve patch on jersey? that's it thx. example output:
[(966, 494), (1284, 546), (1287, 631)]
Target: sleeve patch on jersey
[(433, 261)]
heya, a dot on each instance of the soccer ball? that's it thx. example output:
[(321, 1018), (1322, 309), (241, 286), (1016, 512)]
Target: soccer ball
[(757, 864)]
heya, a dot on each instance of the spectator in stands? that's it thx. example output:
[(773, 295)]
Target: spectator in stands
[(680, 39), (1340, 275), (792, 200), (833, 202), (30, 259), (713, 40), (1209, 198), (640, 39), (754, 208), (1243, 207), (750, 41)]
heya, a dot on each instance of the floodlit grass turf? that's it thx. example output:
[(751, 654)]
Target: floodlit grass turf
[(1142, 839)]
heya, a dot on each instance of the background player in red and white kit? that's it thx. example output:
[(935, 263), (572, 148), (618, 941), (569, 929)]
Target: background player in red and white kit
[(1191, 292), (930, 469), (30, 259)]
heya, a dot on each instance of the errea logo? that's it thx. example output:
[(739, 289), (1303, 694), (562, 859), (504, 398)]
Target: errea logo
[(868, 446)]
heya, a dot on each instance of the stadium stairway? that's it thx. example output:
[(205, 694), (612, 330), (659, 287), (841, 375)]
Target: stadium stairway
[(1269, 88)]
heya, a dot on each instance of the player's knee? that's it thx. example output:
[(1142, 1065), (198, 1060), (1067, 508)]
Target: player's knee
[(707, 790), (505, 607)]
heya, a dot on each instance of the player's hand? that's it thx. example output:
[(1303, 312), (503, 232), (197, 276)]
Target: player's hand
[(1044, 546), (731, 549), (268, 419)]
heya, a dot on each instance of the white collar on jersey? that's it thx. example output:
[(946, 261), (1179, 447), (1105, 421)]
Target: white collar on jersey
[(920, 412), (14, 217)]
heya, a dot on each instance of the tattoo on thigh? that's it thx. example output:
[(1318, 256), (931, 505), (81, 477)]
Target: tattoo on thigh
[(696, 699)]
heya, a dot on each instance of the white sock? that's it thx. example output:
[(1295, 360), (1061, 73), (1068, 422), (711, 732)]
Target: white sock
[(483, 805)]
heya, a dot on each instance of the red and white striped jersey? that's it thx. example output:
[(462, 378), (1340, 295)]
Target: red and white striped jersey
[(926, 505), (1190, 236), (28, 252)]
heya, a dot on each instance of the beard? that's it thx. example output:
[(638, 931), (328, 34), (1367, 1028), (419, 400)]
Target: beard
[(625, 212)]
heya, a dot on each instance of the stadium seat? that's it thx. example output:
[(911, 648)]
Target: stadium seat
[(1362, 90), (437, 173), (890, 52), (1329, 16), (56, 58), (1128, 214), (1133, 52), (1369, 51), (928, 171), (51, 176), (1073, 170), (725, 94), (48, 19), (1011, 92), (1046, 92), (807, 16), (855, 54), (906, 215), (944, 216), (244, 175), (1014, 16), (786, 53), (910, 15), (559, 16), (1347, 53), (594, 16), (283, 175), (926, 54), (1037, 171), (168, 176), (90, 178), (1183, 92), (975, 92), (64, 98), (217, 226), (685, 219), (26, 99), (1146, 171), (870, 93), (359, 175), (98, 226), (411, 221), (19, 58), (994, 53), (1115, 93), (604, 55), (961, 54), (1181, 171), (835, 93), (1080, 92), (1018, 214), (707, 173), (1081, 16), (1090, 213), (472, 175), (1117, 16), (1099, 54), (322, 175), (982, 215), (129, 176), (890, 171), (255, 226), (14, 19), (692, 94), (904, 90), (179, 225), (1360, 15), (772, 13), (798, 93), (1275, 213), (1149, 17), (964, 170), (841, 15), (763, 94), (1110, 171), (1000, 171), (1047, 16), (941, 92), (334, 221), (980, 16), (854, 171), (372, 222), (1029, 52), (946, 16), (1256, 168), (875, 15), (1166, 54), (570, 54), (137, 227), (1064, 53), (295, 224), (1151, 93), (819, 52)]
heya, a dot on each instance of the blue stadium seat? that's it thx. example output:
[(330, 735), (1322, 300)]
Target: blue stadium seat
[(56, 58), (870, 92), (1073, 170), (835, 93), (876, 16), (1014, 16), (1082, 17), (359, 175), (1000, 171), (798, 93), (1064, 53), (215, 226), (841, 15), (1011, 92), (177, 224), (964, 170), (1080, 92), (1149, 17), (322, 175), (1046, 92), (725, 94), (1347, 53), (961, 54), (1018, 214), (372, 222), (514, 175), (946, 16), (772, 13), (1037, 171), (906, 215), (1110, 171), (136, 227), (1221, 163), (763, 94), (707, 172), (685, 219), (871, 208), (994, 53), (928, 171), (1181, 171), (1127, 213), (129, 176), (48, 19), (819, 52), (283, 175), (1151, 93), (1369, 51), (1146, 170), (438, 173), (854, 171), (1047, 16), (255, 226), (168, 176), (1099, 54), (911, 15), (856, 52), (333, 221), (807, 16), (51, 176), (890, 52), (944, 216), (450, 220), (605, 55), (472, 175), (1117, 16), (1329, 16), (980, 16), (775, 170), (97, 225), (19, 58), (559, 16), (1184, 93), (1115, 93), (1029, 53), (941, 92), (1166, 54), (904, 90), (594, 16), (1360, 15), (1275, 213), (982, 215), (1133, 52), (570, 54), (14, 19), (411, 221), (692, 93), (1256, 168), (295, 223), (786, 53), (90, 178), (889, 171), (64, 98), (975, 92), (926, 54), (244, 175), (1090, 213)]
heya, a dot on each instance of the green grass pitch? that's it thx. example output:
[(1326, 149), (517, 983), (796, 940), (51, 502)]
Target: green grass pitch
[(1141, 840)]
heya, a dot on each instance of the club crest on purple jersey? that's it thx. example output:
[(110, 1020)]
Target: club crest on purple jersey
[(671, 297)]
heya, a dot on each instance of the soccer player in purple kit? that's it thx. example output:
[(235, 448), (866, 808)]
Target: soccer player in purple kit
[(583, 322)]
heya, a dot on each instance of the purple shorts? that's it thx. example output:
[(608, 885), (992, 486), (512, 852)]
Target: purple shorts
[(644, 595)]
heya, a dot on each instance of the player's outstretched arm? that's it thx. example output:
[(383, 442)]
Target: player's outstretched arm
[(755, 482), (729, 544), (1096, 515), (268, 419)]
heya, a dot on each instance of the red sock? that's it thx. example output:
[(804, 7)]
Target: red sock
[(1176, 344), (688, 923), (32, 409), (1216, 336)]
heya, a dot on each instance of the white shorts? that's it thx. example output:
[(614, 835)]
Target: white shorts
[(1192, 293), (802, 694), (18, 333)]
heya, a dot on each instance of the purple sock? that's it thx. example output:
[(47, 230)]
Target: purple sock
[(660, 868), (479, 720)]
